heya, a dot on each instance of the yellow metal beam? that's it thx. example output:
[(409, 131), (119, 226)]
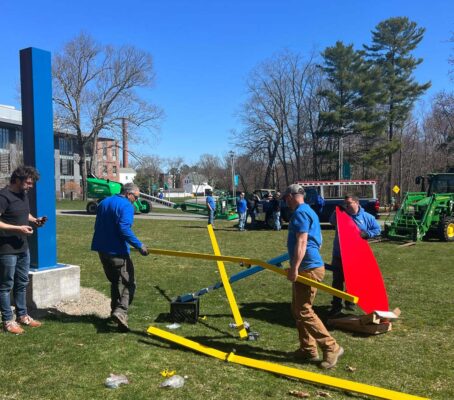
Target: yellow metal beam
[(253, 261), (312, 377), (228, 289)]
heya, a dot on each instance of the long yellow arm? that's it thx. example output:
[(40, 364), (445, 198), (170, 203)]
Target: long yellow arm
[(253, 261)]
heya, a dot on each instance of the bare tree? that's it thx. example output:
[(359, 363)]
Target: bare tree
[(440, 124), (148, 169), (174, 168), (210, 166), (264, 114), (95, 88)]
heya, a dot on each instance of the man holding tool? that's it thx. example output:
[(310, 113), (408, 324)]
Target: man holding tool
[(369, 228), (303, 243), (112, 237)]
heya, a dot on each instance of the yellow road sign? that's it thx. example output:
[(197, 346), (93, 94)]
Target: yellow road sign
[(286, 371), (396, 189), (260, 263)]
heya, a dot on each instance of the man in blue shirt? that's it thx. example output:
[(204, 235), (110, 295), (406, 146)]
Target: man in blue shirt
[(112, 238), (303, 243), (211, 207), (241, 207), (369, 228)]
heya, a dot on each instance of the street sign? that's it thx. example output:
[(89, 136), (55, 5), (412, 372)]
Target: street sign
[(346, 170), (236, 179), (396, 189)]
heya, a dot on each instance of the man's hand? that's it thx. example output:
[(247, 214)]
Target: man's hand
[(143, 250), (364, 235), (292, 274), (25, 230)]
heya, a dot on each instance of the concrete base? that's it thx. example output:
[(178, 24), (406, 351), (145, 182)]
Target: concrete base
[(49, 287)]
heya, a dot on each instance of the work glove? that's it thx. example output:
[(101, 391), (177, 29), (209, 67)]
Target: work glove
[(143, 250), (364, 235)]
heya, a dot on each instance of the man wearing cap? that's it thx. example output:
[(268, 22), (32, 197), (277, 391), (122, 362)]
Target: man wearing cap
[(112, 239), (303, 243)]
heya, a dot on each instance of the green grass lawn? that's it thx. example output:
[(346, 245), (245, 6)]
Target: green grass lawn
[(70, 356)]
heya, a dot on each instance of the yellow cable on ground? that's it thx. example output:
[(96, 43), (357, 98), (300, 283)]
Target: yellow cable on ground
[(253, 261), (228, 289), (286, 371)]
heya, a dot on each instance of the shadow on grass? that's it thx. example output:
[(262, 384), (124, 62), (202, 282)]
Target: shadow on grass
[(273, 313), (242, 347), (102, 325)]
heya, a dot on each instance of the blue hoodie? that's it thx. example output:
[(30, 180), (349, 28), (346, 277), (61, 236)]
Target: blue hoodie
[(365, 222)]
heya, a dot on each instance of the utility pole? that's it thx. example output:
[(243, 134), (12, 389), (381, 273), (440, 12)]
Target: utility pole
[(341, 156), (232, 163)]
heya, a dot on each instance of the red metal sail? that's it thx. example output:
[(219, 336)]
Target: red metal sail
[(362, 274)]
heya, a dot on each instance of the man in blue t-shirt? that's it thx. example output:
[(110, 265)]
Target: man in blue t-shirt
[(303, 243), (211, 207), (369, 228), (112, 237), (241, 207)]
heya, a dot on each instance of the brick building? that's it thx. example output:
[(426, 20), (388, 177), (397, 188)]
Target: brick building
[(67, 171)]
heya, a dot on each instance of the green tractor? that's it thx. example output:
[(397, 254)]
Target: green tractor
[(424, 214), (99, 189)]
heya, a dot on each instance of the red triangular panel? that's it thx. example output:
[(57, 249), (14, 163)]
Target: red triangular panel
[(361, 272)]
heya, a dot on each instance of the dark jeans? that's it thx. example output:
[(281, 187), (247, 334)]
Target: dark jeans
[(14, 270), (119, 271), (338, 281), (210, 217)]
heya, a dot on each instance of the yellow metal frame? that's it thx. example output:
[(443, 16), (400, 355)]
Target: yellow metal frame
[(253, 261), (312, 377), (228, 289)]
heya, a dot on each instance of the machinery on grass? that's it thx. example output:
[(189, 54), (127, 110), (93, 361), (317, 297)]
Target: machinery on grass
[(225, 207), (423, 214), (98, 189)]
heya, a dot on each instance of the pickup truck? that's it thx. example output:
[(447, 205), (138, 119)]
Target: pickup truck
[(369, 203), (314, 189)]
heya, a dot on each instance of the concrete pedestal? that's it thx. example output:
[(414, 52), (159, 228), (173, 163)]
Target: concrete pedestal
[(49, 287)]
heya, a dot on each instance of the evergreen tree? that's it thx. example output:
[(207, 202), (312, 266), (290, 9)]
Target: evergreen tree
[(392, 43), (352, 94)]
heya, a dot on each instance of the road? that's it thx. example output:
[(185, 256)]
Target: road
[(152, 215)]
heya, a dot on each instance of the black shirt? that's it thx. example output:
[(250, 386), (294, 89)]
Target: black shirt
[(14, 210)]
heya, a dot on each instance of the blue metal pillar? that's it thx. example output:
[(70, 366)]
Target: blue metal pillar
[(38, 139)]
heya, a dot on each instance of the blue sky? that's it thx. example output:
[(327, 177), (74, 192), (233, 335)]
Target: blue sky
[(204, 50)]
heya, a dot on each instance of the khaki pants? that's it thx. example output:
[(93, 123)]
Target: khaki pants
[(311, 330)]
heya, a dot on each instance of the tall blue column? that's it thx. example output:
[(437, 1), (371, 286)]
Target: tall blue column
[(38, 139)]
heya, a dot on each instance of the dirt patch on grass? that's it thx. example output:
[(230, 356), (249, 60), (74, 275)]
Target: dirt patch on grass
[(91, 302)]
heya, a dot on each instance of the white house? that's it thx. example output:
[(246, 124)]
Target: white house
[(196, 184), (127, 175)]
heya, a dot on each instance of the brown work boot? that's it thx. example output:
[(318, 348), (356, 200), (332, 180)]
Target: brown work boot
[(12, 327), (330, 358), (28, 321), (304, 356)]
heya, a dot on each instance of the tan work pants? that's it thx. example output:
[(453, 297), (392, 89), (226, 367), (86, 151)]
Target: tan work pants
[(311, 330)]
